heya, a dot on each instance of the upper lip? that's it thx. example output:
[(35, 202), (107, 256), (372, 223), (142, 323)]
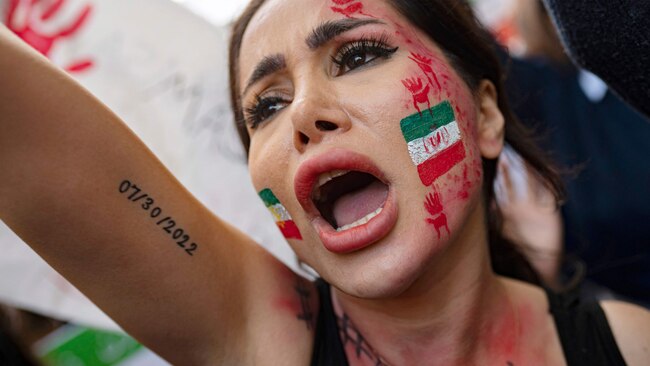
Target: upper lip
[(336, 159)]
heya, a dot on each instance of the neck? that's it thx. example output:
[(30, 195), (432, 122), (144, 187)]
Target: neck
[(455, 313)]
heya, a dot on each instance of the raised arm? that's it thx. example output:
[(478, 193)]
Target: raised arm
[(90, 198)]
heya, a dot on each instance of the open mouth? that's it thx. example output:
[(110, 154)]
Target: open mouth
[(348, 199)]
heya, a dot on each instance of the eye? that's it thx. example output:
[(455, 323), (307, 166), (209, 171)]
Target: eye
[(263, 109), (355, 54)]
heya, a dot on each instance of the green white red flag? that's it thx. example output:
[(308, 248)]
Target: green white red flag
[(281, 215), (434, 141)]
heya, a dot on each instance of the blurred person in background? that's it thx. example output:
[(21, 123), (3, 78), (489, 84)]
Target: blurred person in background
[(610, 39), (19, 330), (603, 142)]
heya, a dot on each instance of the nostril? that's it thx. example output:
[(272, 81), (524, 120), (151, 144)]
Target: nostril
[(326, 126), (304, 139)]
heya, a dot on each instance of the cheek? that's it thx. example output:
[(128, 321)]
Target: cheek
[(268, 160), (268, 172), (430, 82), (280, 215), (439, 128)]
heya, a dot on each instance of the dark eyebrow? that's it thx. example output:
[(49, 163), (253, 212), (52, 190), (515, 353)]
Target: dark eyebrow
[(268, 65), (330, 29)]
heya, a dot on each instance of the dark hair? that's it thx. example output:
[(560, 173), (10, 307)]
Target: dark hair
[(472, 52)]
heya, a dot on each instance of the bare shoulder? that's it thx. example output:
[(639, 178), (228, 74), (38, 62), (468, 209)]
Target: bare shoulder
[(630, 325)]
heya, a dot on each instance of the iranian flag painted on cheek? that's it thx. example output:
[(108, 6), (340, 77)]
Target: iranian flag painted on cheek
[(281, 215), (434, 142)]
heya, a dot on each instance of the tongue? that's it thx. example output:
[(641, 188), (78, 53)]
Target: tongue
[(356, 205)]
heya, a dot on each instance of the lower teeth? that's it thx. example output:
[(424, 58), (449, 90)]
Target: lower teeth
[(361, 221)]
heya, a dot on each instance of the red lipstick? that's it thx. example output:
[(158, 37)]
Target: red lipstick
[(355, 238)]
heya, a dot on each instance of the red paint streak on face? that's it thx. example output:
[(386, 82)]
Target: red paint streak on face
[(434, 207), (419, 92), (467, 185), (425, 65), (433, 204), (44, 43), (348, 8)]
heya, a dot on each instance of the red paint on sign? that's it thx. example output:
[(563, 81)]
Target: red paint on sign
[(27, 28), (80, 66)]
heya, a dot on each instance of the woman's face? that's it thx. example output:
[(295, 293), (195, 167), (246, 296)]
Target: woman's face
[(365, 142)]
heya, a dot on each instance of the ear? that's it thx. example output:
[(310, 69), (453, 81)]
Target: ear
[(491, 123)]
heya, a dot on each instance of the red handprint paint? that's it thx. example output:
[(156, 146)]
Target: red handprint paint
[(419, 92), (425, 65), (348, 7), (25, 17), (438, 218)]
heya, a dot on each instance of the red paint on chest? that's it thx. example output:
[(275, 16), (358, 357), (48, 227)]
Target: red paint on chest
[(505, 338), (28, 28), (289, 305)]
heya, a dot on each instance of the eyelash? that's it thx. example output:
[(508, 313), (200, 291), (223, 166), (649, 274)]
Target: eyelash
[(374, 46), (367, 46), (255, 112)]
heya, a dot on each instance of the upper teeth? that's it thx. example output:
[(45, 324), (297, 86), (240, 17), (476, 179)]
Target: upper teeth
[(324, 178)]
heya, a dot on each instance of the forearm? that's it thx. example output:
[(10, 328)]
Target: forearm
[(80, 188)]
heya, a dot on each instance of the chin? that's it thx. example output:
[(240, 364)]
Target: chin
[(390, 270)]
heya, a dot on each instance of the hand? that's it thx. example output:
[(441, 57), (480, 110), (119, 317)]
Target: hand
[(531, 216)]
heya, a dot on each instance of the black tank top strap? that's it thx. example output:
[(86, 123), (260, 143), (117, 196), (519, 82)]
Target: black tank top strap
[(328, 349), (583, 330)]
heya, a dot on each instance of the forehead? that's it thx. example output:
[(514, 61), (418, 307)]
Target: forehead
[(281, 26)]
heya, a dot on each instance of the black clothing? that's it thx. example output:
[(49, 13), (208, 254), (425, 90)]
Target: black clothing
[(605, 143), (610, 38), (328, 349), (12, 353), (583, 330)]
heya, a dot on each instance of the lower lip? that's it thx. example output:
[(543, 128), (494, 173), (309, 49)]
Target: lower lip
[(361, 236)]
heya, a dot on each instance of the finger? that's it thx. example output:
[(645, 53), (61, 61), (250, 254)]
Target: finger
[(500, 186), (518, 175)]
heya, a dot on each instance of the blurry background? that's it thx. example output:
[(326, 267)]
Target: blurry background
[(161, 66)]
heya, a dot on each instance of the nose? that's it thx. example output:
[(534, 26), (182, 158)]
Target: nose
[(316, 116)]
